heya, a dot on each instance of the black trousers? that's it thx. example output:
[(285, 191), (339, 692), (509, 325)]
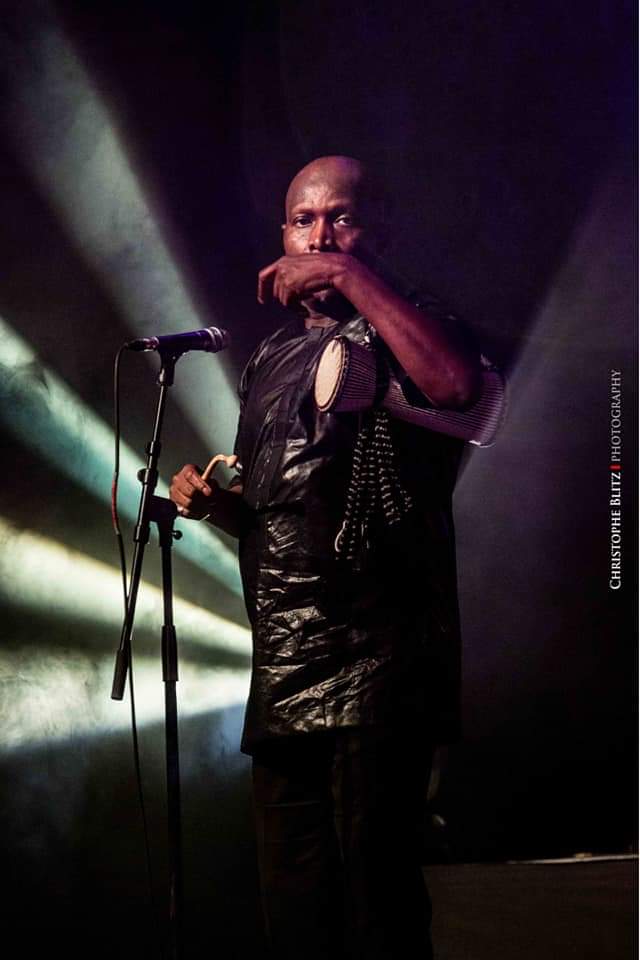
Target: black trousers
[(338, 815)]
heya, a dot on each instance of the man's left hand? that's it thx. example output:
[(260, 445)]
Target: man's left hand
[(295, 278)]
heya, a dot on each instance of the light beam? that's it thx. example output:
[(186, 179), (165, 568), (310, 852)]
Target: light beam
[(66, 136), (54, 694), (46, 415)]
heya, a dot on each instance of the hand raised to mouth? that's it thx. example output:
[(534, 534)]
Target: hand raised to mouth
[(294, 278)]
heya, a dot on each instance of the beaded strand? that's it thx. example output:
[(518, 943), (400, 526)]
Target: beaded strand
[(374, 487)]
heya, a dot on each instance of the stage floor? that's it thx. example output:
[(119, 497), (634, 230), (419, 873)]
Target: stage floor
[(535, 910)]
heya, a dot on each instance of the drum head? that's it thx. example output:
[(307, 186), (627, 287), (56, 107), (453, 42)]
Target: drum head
[(330, 372)]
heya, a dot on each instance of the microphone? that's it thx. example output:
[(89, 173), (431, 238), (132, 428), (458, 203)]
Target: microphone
[(210, 339)]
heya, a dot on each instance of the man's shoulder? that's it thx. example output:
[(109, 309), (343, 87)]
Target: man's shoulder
[(436, 306), (274, 339), (425, 299), (266, 347)]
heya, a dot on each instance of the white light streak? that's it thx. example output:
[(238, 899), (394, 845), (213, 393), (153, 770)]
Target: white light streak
[(38, 574), (45, 414), (64, 132), (55, 696), (51, 694)]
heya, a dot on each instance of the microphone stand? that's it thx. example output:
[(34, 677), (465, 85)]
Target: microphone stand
[(162, 512)]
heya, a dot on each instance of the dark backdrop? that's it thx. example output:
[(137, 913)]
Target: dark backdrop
[(507, 133)]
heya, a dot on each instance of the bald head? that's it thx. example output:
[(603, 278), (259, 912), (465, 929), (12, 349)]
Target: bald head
[(346, 175)]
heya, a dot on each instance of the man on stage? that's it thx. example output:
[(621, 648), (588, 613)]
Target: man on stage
[(347, 558)]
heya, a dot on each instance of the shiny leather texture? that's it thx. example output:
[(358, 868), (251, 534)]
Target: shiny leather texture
[(332, 647)]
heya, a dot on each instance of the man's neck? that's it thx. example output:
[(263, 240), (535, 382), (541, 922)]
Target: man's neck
[(319, 321), (327, 315)]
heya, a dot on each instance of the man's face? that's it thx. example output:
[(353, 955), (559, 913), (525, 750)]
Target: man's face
[(327, 213)]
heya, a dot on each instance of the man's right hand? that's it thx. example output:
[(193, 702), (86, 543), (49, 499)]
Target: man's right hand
[(193, 495), (198, 498)]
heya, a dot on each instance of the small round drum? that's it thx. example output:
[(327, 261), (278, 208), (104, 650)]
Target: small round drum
[(346, 377), (346, 380)]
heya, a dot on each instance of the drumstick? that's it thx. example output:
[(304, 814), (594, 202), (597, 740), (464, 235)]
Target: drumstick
[(229, 459)]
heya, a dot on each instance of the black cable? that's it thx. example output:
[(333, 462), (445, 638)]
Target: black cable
[(116, 473), (123, 569)]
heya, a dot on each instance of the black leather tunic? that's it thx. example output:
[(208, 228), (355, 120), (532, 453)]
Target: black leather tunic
[(332, 647)]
